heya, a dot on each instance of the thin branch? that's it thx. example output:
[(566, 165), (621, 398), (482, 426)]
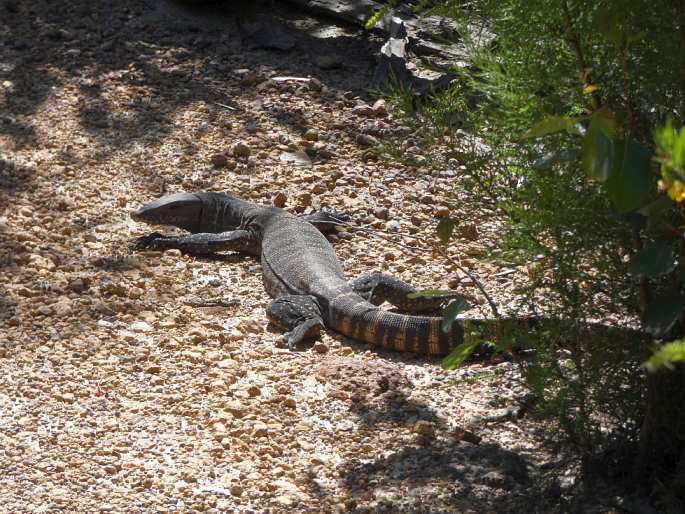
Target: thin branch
[(574, 39)]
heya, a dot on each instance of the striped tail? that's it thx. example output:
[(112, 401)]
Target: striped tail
[(356, 318)]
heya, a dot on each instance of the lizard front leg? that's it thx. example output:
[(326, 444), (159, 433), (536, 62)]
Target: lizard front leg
[(326, 221), (299, 314), (201, 243)]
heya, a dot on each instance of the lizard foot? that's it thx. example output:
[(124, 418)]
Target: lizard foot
[(148, 242), (306, 330)]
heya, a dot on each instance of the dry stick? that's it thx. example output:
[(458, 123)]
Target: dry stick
[(479, 285)]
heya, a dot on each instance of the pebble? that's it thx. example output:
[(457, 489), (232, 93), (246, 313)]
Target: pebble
[(305, 199), (469, 231), (366, 140), (382, 213), (311, 135), (319, 188), (235, 408), (240, 149), (299, 158), (363, 110), (140, 327), (441, 212), (424, 427), (219, 160), (393, 226), (320, 347), (380, 107)]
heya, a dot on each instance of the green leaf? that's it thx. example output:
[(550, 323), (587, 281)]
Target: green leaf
[(458, 355), (655, 260), (445, 229), (450, 313), (597, 149), (550, 125), (631, 179), (667, 355), (430, 293), (662, 313)]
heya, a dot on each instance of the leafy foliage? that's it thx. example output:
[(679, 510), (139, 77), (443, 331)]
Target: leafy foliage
[(667, 355), (567, 126)]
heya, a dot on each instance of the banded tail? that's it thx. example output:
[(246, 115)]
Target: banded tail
[(354, 317)]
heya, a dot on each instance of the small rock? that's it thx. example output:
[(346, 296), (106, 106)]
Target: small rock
[(153, 369), (424, 427), (497, 479), (236, 490), (235, 408), (62, 308), (298, 158), (135, 292), (469, 231), (219, 430), (260, 429), (240, 149), (227, 363), (392, 226), (319, 188), (389, 256), (219, 160), (217, 385), (250, 326), (441, 212), (140, 326), (366, 140), (380, 107), (311, 135), (111, 470), (320, 347), (305, 199), (382, 213), (363, 110), (78, 285), (279, 199)]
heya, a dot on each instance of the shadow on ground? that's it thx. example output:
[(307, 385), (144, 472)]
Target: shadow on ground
[(426, 466), (170, 55)]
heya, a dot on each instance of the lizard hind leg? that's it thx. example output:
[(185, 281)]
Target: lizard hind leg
[(300, 315), (377, 288), (326, 221)]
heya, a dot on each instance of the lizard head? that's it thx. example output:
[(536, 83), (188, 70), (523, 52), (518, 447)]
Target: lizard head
[(182, 210)]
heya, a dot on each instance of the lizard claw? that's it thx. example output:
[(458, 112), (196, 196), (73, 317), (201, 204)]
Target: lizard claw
[(306, 330), (148, 242)]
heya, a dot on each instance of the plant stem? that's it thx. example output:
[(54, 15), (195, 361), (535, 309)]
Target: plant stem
[(574, 39)]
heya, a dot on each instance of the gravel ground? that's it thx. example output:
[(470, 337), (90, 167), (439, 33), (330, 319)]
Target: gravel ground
[(117, 394)]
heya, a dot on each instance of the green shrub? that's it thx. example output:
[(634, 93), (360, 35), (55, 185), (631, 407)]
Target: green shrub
[(564, 125)]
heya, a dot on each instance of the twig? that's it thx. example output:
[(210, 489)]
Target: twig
[(580, 57), (226, 106)]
